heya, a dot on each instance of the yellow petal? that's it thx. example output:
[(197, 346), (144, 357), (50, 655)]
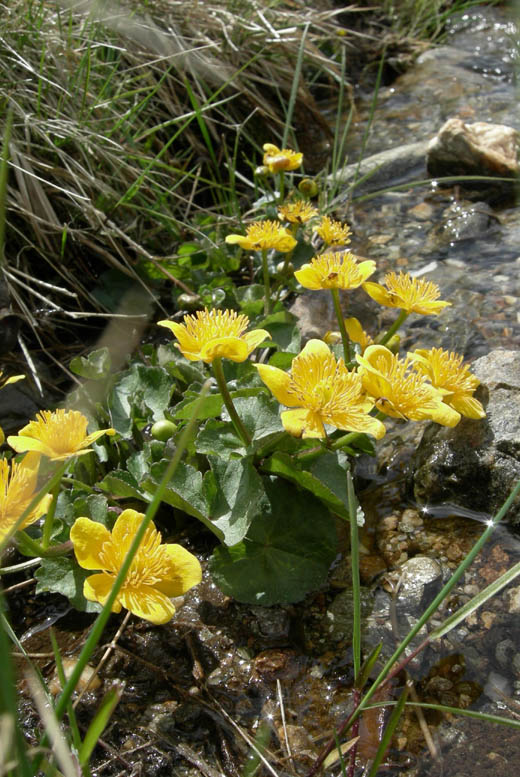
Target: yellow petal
[(90, 438), (148, 603), (369, 425), (367, 268), (126, 526), (88, 537), (255, 337), (467, 406), (378, 293), (444, 415), (96, 588), (21, 444), (278, 382), (308, 277), (233, 348), (315, 348), (303, 423), (235, 239), (186, 571)]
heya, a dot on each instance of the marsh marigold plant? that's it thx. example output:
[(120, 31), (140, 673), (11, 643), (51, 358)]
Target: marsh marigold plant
[(320, 391), (211, 334), (58, 434), (158, 571)]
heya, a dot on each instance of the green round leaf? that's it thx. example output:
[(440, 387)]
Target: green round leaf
[(286, 553)]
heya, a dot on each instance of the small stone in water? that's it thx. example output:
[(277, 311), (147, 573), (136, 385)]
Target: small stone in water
[(88, 678)]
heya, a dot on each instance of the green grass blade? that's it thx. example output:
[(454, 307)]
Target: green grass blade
[(356, 587), (294, 86), (476, 602), (4, 169), (100, 722)]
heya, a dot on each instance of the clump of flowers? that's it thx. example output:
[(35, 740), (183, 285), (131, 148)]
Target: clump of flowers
[(157, 573)]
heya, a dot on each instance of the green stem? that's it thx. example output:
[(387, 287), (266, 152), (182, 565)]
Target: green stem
[(267, 283), (31, 547), (356, 586), (281, 179), (403, 315), (342, 328), (226, 396)]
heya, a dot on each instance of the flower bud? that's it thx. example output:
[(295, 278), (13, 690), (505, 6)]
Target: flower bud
[(308, 187)]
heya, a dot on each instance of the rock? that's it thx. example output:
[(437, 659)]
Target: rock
[(388, 168), (418, 576), (474, 149), (477, 463)]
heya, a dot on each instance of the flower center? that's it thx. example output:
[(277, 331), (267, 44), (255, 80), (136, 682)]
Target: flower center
[(150, 565)]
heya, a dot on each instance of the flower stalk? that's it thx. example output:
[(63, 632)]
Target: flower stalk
[(226, 396), (267, 283), (401, 318), (342, 328)]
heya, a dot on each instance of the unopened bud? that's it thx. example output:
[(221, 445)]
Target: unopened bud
[(308, 187)]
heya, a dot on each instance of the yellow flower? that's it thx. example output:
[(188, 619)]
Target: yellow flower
[(411, 294), (447, 373), (215, 333), (58, 435), (400, 391), (18, 482), (263, 235), (280, 159), (323, 391), (355, 332), (5, 382), (339, 270), (333, 233), (298, 212), (157, 573)]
